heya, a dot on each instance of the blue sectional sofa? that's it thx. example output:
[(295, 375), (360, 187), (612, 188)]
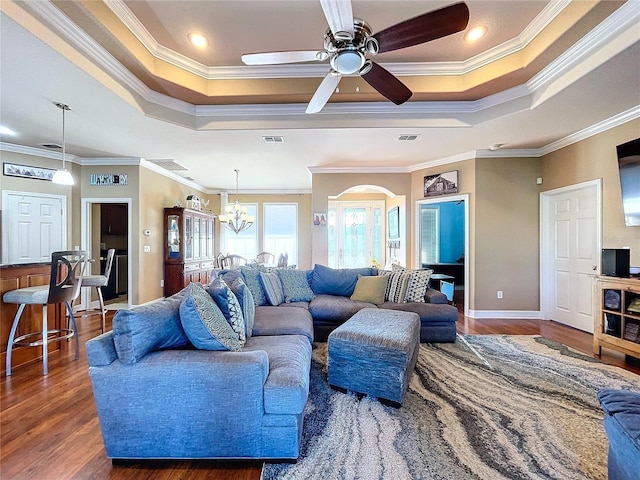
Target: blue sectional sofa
[(622, 425), (162, 393)]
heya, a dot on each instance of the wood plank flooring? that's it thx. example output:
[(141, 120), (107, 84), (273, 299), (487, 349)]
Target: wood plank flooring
[(49, 428)]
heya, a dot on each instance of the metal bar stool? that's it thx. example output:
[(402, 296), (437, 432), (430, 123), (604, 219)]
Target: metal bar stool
[(67, 268), (99, 281)]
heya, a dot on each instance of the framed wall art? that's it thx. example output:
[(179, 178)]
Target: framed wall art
[(393, 223), (441, 184), (26, 171)]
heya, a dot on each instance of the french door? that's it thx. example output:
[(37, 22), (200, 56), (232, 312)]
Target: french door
[(356, 233)]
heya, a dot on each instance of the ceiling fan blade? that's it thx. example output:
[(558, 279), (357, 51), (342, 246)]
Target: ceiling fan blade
[(424, 28), (274, 58), (323, 93), (387, 84), (339, 15)]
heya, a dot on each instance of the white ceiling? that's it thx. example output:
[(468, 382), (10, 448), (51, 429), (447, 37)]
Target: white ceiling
[(116, 116)]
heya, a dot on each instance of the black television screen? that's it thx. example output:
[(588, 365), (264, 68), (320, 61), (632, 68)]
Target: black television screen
[(629, 168)]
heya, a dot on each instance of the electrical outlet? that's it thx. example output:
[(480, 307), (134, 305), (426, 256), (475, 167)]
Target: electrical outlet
[(499, 293), (147, 249), (162, 283)]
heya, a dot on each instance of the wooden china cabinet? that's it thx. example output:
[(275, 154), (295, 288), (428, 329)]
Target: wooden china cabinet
[(188, 248)]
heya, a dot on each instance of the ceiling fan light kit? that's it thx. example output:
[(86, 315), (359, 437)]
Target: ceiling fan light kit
[(348, 40)]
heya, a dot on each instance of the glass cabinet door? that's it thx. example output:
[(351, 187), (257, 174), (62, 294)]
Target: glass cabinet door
[(173, 236), (196, 238), (188, 237), (210, 238)]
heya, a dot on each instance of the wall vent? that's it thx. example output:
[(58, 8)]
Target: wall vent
[(273, 139), (407, 137), (169, 164), (53, 146)]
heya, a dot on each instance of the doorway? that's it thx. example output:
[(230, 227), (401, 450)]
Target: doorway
[(571, 238), (105, 224), (442, 241)]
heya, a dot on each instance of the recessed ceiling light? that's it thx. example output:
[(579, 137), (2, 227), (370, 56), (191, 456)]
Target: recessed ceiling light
[(198, 40), (475, 33), (6, 131)]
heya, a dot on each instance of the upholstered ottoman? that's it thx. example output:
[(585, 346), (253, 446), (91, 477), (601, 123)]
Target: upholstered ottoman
[(374, 352)]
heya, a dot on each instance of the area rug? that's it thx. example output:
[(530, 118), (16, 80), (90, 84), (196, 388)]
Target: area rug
[(527, 409)]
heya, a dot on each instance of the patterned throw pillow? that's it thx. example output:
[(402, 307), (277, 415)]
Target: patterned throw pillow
[(397, 286), (418, 283), (371, 288), (252, 280), (245, 298), (272, 287), (204, 322), (295, 285), (229, 305)]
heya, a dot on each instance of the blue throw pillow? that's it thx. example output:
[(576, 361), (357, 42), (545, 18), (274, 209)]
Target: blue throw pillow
[(272, 287), (332, 281), (252, 280), (295, 286), (154, 326), (245, 298), (228, 303), (204, 323)]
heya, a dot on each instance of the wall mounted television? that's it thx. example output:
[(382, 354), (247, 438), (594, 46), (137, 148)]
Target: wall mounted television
[(629, 168)]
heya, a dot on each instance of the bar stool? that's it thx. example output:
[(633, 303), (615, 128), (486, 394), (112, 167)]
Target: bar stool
[(99, 281), (67, 268)]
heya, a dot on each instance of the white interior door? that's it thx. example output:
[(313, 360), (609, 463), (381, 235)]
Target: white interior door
[(33, 226), (571, 233)]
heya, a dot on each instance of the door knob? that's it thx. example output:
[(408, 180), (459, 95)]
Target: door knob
[(594, 268)]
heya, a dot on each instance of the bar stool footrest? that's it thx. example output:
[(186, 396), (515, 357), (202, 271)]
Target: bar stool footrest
[(53, 336)]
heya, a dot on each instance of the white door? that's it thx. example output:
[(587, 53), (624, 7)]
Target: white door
[(571, 229), (33, 226), (356, 233)]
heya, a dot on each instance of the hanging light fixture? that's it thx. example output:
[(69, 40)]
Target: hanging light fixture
[(235, 217), (63, 176)]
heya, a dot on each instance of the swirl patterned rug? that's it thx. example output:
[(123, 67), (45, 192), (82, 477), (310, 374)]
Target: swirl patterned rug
[(530, 413)]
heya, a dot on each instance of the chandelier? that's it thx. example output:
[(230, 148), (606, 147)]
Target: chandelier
[(235, 217), (63, 176)]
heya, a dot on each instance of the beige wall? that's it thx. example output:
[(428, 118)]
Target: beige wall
[(592, 158)]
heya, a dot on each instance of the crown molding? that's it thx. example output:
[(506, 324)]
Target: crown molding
[(37, 152), (384, 170)]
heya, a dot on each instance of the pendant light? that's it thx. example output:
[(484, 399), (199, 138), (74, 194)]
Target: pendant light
[(63, 176), (235, 217)]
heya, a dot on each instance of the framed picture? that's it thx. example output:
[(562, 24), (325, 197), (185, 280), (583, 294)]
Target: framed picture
[(319, 218), (393, 222), (441, 184), (17, 170)]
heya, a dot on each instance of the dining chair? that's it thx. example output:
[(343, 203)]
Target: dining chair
[(99, 281), (220, 260), (265, 258), (233, 261), (67, 269), (283, 259)]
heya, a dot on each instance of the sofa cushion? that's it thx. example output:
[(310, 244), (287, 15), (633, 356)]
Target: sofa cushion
[(624, 406), (370, 289), (245, 298), (272, 287), (283, 320), (429, 312), (396, 286), (332, 281), (229, 305), (204, 322), (295, 285), (154, 326), (333, 310), (252, 279), (287, 386)]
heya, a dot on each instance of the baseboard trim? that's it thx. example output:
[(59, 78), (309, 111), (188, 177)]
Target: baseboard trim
[(509, 314)]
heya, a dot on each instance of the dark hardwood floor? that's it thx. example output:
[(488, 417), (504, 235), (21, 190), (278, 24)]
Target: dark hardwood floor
[(49, 427)]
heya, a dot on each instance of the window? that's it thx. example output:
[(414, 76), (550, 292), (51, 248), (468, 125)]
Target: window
[(429, 235), (244, 243), (281, 230)]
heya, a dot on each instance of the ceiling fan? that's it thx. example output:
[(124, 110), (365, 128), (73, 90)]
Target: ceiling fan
[(348, 40)]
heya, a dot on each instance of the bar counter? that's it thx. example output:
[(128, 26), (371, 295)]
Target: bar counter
[(17, 276)]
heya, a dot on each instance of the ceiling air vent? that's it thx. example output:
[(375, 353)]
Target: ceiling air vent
[(273, 139), (407, 137), (53, 146), (169, 164)]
